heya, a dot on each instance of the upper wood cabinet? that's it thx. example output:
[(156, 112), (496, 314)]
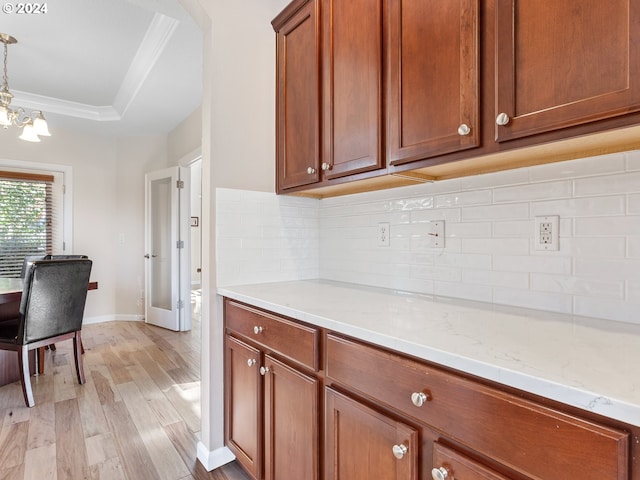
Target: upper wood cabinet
[(298, 95), (432, 77), (562, 63), (352, 86)]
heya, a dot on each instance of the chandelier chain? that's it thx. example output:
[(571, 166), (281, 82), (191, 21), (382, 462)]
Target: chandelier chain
[(5, 78)]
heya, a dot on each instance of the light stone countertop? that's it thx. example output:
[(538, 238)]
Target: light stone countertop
[(588, 363)]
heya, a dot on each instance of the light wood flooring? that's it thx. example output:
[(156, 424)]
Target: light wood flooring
[(136, 417)]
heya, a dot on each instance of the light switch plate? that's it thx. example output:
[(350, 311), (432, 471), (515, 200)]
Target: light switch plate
[(436, 234)]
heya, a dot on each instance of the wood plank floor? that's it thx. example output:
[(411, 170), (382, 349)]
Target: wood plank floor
[(136, 417)]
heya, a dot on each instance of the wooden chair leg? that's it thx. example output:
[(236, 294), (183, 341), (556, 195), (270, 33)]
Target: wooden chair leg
[(25, 375), (77, 354), (40, 355)]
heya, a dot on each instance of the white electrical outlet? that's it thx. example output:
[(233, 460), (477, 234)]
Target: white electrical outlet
[(384, 232), (546, 233)]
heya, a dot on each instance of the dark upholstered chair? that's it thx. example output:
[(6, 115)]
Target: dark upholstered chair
[(28, 260), (51, 310)]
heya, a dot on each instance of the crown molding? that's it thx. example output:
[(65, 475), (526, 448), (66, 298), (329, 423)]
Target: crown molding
[(155, 40)]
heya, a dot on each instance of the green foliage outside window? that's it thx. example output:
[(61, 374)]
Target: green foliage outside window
[(25, 223)]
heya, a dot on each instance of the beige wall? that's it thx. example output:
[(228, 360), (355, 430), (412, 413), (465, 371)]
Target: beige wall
[(108, 205), (238, 146)]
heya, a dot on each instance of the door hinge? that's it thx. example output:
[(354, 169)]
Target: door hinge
[(179, 304), (179, 183), (180, 244)]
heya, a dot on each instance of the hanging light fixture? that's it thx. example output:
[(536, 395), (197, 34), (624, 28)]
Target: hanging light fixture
[(33, 125)]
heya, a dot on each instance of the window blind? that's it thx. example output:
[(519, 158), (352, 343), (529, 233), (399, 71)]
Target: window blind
[(28, 218)]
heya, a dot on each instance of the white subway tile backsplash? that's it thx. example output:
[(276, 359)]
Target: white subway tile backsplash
[(577, 286), (633, 204), (580, 207), (503, 246), (604, 247), (607, 226), (543, 262), (633, 247), (608, 268), (621, 183), (515, 211), (529, 299), (489, 254), (499, 279), (533, 191), (584, 167), (513, 228)]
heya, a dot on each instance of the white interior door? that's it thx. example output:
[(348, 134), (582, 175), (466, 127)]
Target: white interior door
[(167, 276)]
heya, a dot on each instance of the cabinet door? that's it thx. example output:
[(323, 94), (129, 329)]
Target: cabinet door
[(562, 63), (291, 423), (298, 99), (352, 86), (432, 77), (362, 443), (448, 463), (243, 398)]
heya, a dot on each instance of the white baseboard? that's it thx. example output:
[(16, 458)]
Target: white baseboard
[(217, 458), (113, 318)]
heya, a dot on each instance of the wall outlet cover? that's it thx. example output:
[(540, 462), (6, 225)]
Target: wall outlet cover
[(546, 233)]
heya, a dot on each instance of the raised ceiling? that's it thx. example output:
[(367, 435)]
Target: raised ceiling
[(107, 67)]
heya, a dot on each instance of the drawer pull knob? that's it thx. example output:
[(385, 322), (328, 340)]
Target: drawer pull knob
[(440, 473), (257, 329), (502, 119), (464, 130), (399, 451), (251, 362), (419, 398), (264, 370), (311, 170)]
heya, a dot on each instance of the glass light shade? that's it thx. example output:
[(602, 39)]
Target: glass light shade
[(29, 133), (4, 116), (40, 125)]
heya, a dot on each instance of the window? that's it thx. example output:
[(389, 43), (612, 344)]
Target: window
[(30, 217)]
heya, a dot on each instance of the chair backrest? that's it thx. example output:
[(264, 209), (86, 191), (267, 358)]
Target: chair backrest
[(66, 257), (28, 260), (53, 298)]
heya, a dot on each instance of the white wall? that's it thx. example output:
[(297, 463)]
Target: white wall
[(108, 204), (94, 203)]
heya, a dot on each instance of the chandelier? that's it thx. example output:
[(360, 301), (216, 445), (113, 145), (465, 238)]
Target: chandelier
[(33, 125)]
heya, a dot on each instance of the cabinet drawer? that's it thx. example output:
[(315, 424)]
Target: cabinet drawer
[(532, 439), (292, 340), (450, 464)]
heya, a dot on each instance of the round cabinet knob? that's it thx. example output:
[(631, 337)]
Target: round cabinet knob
[(419, 398), (399, 451), (502, 119), (264, 371), (251, 362), (440, 473), (326, 166), (257, 329), (311, 170), (464, 130)]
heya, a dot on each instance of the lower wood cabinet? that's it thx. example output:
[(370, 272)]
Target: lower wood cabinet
[(291, 439), (363, 444), (305, 404), (449, 464), (272, 405)]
